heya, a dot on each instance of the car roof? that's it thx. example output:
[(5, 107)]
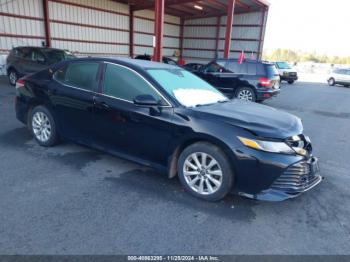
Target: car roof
[(246, 61), (39, 47), (142, 64)]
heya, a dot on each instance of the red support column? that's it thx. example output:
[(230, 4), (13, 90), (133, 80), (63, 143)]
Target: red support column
[(229, 23), (47, 23), (262, 25), (182, 22), (131, 33), (158, 29)]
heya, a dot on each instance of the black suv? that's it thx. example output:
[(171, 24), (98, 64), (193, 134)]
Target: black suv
[(26, 60), (251, 80)]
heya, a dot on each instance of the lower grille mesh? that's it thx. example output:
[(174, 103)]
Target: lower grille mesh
[(297, 178)]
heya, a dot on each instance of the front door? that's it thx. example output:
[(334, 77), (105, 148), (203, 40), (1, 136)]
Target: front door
[(125, 128)]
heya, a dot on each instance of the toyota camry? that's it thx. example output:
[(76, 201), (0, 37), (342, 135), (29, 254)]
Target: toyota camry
[(167, 118)]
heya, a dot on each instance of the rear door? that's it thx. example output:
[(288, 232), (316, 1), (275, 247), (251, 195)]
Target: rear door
[(71, 94)]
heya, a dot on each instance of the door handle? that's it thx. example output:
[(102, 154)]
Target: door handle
[(100, 104)]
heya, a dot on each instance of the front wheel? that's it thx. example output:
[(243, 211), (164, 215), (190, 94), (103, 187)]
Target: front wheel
[(43, 126), (205, 172), (331, 82), (246, 94), (291, 82)]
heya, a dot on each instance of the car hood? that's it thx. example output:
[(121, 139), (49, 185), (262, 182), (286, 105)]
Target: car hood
[(261, 120)]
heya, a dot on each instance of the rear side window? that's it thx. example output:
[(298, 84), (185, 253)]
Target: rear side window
[(17, 52), (123, 83), (216, 67), (246, 68), (80, 75), (252, 69), (271, 70)]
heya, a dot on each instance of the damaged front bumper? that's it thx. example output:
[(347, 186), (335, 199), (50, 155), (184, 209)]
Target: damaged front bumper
[(295, 180)]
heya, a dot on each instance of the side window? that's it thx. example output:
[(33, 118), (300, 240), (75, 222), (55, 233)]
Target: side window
[(123, 83), (81, 75), (28, 54), (232, 67), (38, 56), (18, 52), (236, 68), (252, 69), (216, 67)]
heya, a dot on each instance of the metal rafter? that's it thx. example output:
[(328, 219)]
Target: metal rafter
[(168, 3)]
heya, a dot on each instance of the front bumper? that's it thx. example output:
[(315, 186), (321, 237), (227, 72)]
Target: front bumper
[(289, 77), (295, 180), (266, 93)]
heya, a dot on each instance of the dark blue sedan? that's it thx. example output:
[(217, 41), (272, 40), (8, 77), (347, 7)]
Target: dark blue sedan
[(166, 117)]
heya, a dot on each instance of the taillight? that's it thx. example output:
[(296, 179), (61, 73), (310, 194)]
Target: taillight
[(20, 83), (265, 82)]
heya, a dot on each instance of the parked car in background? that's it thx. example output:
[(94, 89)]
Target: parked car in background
[(339, 76), (251, 81), (166, 117), (193, 66), (166, 60), (286, 72), (26, 60)]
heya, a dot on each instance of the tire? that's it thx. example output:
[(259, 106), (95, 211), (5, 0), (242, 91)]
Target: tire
[(210, 182), (331, 81), (291, 82), (246, 94), (13, 77), (43, 126)]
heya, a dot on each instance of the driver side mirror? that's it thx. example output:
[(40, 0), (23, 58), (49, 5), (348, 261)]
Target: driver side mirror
[(149, 101), (146, 100)]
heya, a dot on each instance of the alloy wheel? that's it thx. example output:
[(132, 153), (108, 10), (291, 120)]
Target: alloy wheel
[(245, 95), (202, 173), (13, 78), (41, 126)]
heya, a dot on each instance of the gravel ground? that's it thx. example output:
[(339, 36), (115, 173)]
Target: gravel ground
[(73, 200)]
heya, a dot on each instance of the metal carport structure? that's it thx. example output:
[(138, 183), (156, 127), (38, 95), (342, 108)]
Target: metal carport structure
[(200, 30)]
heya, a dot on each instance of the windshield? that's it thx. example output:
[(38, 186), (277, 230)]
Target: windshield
[(188, 89), (55, 56), (283, 65)]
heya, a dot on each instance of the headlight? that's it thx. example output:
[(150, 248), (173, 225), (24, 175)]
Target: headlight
[(267, 146)]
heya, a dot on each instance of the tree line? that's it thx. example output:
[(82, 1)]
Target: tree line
[(298, 56)]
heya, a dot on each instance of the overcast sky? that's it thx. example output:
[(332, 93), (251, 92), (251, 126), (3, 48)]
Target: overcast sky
[(322, 26)]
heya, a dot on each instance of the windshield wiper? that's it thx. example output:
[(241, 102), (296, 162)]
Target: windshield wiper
[(220, 101)]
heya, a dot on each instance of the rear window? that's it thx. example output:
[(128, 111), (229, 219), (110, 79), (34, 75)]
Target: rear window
[(271, 70)]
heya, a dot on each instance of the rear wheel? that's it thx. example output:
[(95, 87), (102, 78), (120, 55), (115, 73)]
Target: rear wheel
[(291, 82), (205, 172), (43, 126), (13, 77), (331, 82), (246, 94)]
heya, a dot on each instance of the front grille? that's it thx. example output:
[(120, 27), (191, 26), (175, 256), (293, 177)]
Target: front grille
[(296, 178)]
